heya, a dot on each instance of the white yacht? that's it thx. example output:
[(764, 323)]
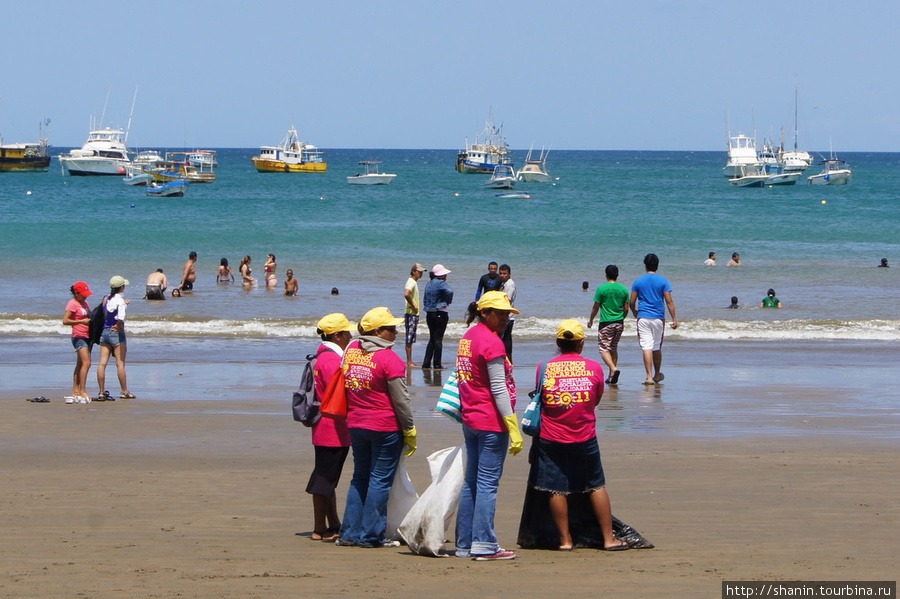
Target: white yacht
[(742, 155), (104, 153)]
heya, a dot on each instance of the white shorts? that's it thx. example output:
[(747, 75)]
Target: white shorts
[(650, 333)]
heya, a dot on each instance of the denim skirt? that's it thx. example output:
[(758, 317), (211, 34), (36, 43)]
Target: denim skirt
[(565, 468)]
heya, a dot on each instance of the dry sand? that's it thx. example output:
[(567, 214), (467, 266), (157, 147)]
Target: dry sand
[(150, 498)]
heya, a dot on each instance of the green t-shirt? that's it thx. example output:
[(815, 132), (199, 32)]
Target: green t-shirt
[(612, 297)]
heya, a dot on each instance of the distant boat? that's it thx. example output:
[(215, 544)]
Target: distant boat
[(535, 171), (290, 156), (794, 161), (503, 177), (836, 172), (137, 178), (203, 159), (104, 153), (169, 189), (372, 176), (783, 179), (24, 157), (749, 176), (185, 167), (741, 155), (514, 195), (487, 152)]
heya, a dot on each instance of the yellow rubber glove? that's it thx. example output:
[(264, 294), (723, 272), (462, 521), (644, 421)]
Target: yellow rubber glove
[(409, 440), (515, 437)]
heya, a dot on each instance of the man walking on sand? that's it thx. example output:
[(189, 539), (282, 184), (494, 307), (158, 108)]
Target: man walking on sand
[(611, 301), (651, 294), (190, 274), (413, 308)]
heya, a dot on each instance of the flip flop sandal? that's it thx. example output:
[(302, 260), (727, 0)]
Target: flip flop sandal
[(40, 399), (127, 396)]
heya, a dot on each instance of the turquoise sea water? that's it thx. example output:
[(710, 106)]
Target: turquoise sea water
[(817, 246)]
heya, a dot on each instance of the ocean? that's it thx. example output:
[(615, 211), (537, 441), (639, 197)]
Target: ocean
[(827, 352), (816, 246)]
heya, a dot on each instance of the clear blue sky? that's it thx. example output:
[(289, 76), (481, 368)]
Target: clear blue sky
[(580, 74)]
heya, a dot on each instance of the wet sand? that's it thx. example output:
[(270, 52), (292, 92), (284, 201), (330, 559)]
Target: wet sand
[(202, 498)]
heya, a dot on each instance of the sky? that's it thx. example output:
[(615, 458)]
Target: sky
[(576, 75)]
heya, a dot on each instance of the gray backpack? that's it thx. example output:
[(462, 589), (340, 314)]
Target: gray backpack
[(305, 405)]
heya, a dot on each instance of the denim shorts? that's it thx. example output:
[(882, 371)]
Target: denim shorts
[(112, 338), (80, 342)]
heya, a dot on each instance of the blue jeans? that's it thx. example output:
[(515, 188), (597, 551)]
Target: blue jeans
[(485, 454), (376, 455)]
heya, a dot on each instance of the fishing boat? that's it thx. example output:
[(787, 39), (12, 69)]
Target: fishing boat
[(503, 177), (24, 157), (104, 153), (290, 156), (835, 172), (750, 178), (535, 171), (741, 155), (138, 172), (181, 163), (203, 159), (371, 176), (169, 189), (488, 151)]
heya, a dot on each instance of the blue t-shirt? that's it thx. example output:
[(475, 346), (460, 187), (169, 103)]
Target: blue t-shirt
[(651, 301)]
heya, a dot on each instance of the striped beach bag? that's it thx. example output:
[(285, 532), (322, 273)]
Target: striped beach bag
[(448, 403)]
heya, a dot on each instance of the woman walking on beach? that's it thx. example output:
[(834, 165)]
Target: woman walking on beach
[(438, 297), (565, 457), (379, 415), (487, 393), (246, 279), (330, 436), (269, 268), (112, 341), (78, 316), (225, 275)]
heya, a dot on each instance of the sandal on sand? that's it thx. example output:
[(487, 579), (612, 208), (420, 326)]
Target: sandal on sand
[(318, 536), (127, 395), (621, 547), (40, 399), (330, 535)]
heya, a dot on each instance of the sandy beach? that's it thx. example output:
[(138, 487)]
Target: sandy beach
[(200, 498)]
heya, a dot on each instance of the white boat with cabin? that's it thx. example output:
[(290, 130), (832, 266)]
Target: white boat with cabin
[(104, 153), (503, 177), (836, 172), (371, 176), (535, 171), (742, 155)]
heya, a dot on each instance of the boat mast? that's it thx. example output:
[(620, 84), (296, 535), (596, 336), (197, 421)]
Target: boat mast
[(130, 116)]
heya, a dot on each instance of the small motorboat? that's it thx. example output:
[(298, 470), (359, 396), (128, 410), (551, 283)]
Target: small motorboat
[(169, 189), (514, 195), (836, 172), (372, 176), (504, 177), (790, 178), (137, 178), (535, 170)]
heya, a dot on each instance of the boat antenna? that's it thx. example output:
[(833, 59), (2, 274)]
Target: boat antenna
[(103, 114), (130, 116), (796, 103)]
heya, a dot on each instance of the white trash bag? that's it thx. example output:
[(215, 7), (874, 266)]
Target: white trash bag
[(425, 527), (401, 500)]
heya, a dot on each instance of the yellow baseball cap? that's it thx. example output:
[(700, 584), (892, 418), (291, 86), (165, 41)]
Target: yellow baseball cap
[(571, 326), (334, 323), (496, 300), (377, 318)]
